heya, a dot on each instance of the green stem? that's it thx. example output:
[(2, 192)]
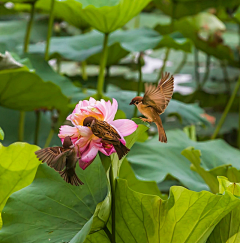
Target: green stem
[(196, 61), (50, 26), (225, 77), (113, 188), (107, 78), (224, 115), (29, 27), (37, 128), (59, 60), (205, 78), (49, 138), (103, 62), (239, 126), (21, 126), (164, 65), (84, 70), (140, 83), (182, 63)]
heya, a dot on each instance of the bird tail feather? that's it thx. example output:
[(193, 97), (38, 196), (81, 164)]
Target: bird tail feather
[(121, 150), (161, 131), (71, 177)]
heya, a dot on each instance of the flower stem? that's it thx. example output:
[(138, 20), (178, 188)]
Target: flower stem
[(139, 80), (84, 70), (113, 187), (29, 27), (205, 78), (196, 61), (164, 65), (103, 62), (224, 115), (49, 138), (50, 25), (239, 126), (37, 128), (182, 63), (225, 77), (21, 126), (59, 60)]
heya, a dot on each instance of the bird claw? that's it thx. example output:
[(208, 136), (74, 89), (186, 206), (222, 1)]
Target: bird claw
[(145, 119)]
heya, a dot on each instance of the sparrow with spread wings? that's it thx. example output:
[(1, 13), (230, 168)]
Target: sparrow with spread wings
[(155, 101), (63, 160), (107, 133)]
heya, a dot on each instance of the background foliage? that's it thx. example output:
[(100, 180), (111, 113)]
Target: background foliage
[(55, 53)]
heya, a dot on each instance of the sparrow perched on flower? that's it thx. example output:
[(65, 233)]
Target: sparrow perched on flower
[(63, 160), (107, 133), (155, 101)]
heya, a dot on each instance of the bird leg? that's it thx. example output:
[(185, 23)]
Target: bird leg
[(146, 120)]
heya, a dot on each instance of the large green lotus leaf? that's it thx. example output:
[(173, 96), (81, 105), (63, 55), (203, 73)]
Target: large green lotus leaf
[(227, 231), (153, 160), (105, 16), (146, 187), (44, 71), (18, 166), (89, 46), (15, 88), (81, 47), (185, 217), (109, 15), (13, 32), (209, 176), (183, 8), (56, 211)]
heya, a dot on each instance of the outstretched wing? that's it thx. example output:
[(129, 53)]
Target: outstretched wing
[(159, 97), (47, 155), (55, 157)]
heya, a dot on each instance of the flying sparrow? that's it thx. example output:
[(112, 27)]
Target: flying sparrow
[(155, 101), (107, 133), (63, 160)]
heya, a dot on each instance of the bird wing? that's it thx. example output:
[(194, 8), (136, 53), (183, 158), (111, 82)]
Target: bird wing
[(53, 156), (105, 131), (159, 97)]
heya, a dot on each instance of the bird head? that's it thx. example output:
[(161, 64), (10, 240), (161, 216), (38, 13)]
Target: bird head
[(136, 100), (67, 143), (88, 121)]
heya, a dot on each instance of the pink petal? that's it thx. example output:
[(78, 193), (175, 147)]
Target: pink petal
[(84, 131), (68, 131), (125, 126), (111, 110), (88, 156)]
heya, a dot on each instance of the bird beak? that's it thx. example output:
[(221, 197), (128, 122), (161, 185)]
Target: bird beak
[(131, 103)]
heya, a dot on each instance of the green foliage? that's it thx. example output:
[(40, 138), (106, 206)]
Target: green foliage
[(15, 86), (221, 233), (60, 208), (154, 160), (178, 9), (120, 200), (185, 217), (18, 166), (1, 134)]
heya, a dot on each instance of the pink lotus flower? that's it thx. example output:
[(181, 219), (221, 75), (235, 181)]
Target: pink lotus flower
[(87, 143)]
